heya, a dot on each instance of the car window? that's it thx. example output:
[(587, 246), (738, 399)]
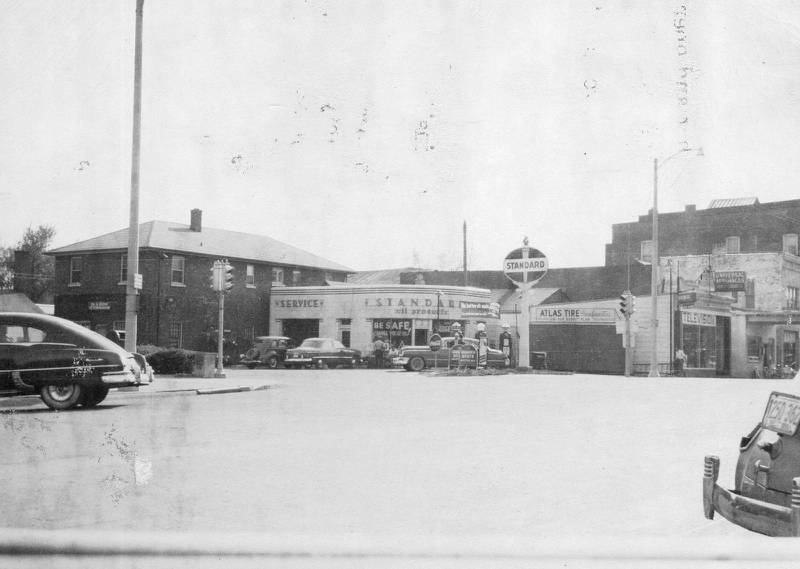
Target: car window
[(338, 345), (281, 343), (313, 343), (17, 333)]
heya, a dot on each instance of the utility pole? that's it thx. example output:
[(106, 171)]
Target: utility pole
[(131, 292)]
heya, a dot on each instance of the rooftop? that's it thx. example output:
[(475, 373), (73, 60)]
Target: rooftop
[(178, 237)]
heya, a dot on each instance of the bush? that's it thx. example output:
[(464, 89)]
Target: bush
[(171, 361), (147, 349)]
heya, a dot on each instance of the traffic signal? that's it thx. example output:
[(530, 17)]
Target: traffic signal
[(623, 304), (216, 277), (631, 304), (228, 276)]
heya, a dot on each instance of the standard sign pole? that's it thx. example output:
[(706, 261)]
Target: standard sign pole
[(525, 267)]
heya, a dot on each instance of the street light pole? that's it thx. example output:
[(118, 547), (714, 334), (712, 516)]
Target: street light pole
[(131, 293), (654, 276), (654, 264), (438, 304)]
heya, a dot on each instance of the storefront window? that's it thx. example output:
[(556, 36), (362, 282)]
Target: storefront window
[(699, 339), (396, 331), (789, 347)]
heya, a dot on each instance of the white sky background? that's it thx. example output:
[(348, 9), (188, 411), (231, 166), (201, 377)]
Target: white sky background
[(366, 132)]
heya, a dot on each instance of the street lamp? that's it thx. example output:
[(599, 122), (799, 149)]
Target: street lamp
[(654, 260), (438, 304)]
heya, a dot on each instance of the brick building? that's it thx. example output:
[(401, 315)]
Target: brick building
[(176, 304)]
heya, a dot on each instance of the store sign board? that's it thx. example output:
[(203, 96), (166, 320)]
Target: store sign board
[(464, 355), (698, 318), (391, 325), (686, 298), (480, 309), (525, 266), (573, 314), (729, 281), (99, 305)]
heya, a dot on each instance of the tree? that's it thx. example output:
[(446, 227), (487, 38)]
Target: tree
[(6, 268), (35, 274)]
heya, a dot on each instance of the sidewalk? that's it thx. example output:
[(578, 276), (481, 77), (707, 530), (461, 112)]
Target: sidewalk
[(234, 378)]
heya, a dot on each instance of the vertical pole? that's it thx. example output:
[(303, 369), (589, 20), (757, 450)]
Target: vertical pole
[(220, 332), (131, 293), (671, 322), (628, 347), (465, 253), (654, 276), (523, 360)]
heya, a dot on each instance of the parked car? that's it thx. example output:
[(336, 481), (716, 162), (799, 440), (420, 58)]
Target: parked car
[(64, 362), (766, 493), (268, 351), (321, 352), (417, 358)]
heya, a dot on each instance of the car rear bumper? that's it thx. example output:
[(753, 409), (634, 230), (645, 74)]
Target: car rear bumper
[(749, 513)]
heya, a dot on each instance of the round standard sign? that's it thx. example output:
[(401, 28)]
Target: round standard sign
[(525, 266), (435, 343)]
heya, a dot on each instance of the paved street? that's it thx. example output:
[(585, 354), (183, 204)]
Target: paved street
[(383, 453)]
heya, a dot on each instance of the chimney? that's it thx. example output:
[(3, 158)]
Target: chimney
[(197, 220)]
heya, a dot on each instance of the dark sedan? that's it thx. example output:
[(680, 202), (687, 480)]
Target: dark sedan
[(417, 358), (268, 351), (65, 363), (321, 352)]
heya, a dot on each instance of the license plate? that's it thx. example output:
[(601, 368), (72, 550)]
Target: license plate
[(782, 414)]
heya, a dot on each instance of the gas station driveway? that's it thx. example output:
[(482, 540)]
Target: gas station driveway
[(349, 457)]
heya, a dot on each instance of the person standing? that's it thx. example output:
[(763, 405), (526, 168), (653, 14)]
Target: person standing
[(378, 350), (506, 342), (680, 362)]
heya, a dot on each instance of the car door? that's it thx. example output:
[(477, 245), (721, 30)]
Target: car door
[(440, 357), (342, 353)]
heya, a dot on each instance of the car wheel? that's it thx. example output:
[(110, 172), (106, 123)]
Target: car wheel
[(93, 395), (416, 364), (272, 362), (251, 366), (61, 397)]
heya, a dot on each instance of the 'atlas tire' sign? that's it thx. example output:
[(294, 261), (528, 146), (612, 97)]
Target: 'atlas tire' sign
[(525, 266)]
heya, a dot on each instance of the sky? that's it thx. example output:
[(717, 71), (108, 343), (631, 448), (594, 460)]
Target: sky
[(369, 131)]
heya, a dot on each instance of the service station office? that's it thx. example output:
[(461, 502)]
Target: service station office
[(356, 314)]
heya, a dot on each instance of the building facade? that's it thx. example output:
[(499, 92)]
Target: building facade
[(402, 315), (176, 305)]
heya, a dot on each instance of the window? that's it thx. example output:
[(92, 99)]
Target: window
[(178, 265), (176, 334), (75, 271), (790, 243), (646, 251), (277, 276), (750, 293), (250, 277), (792, 297), (296, 277), (123, 269), (344, 331), (732, 245)]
